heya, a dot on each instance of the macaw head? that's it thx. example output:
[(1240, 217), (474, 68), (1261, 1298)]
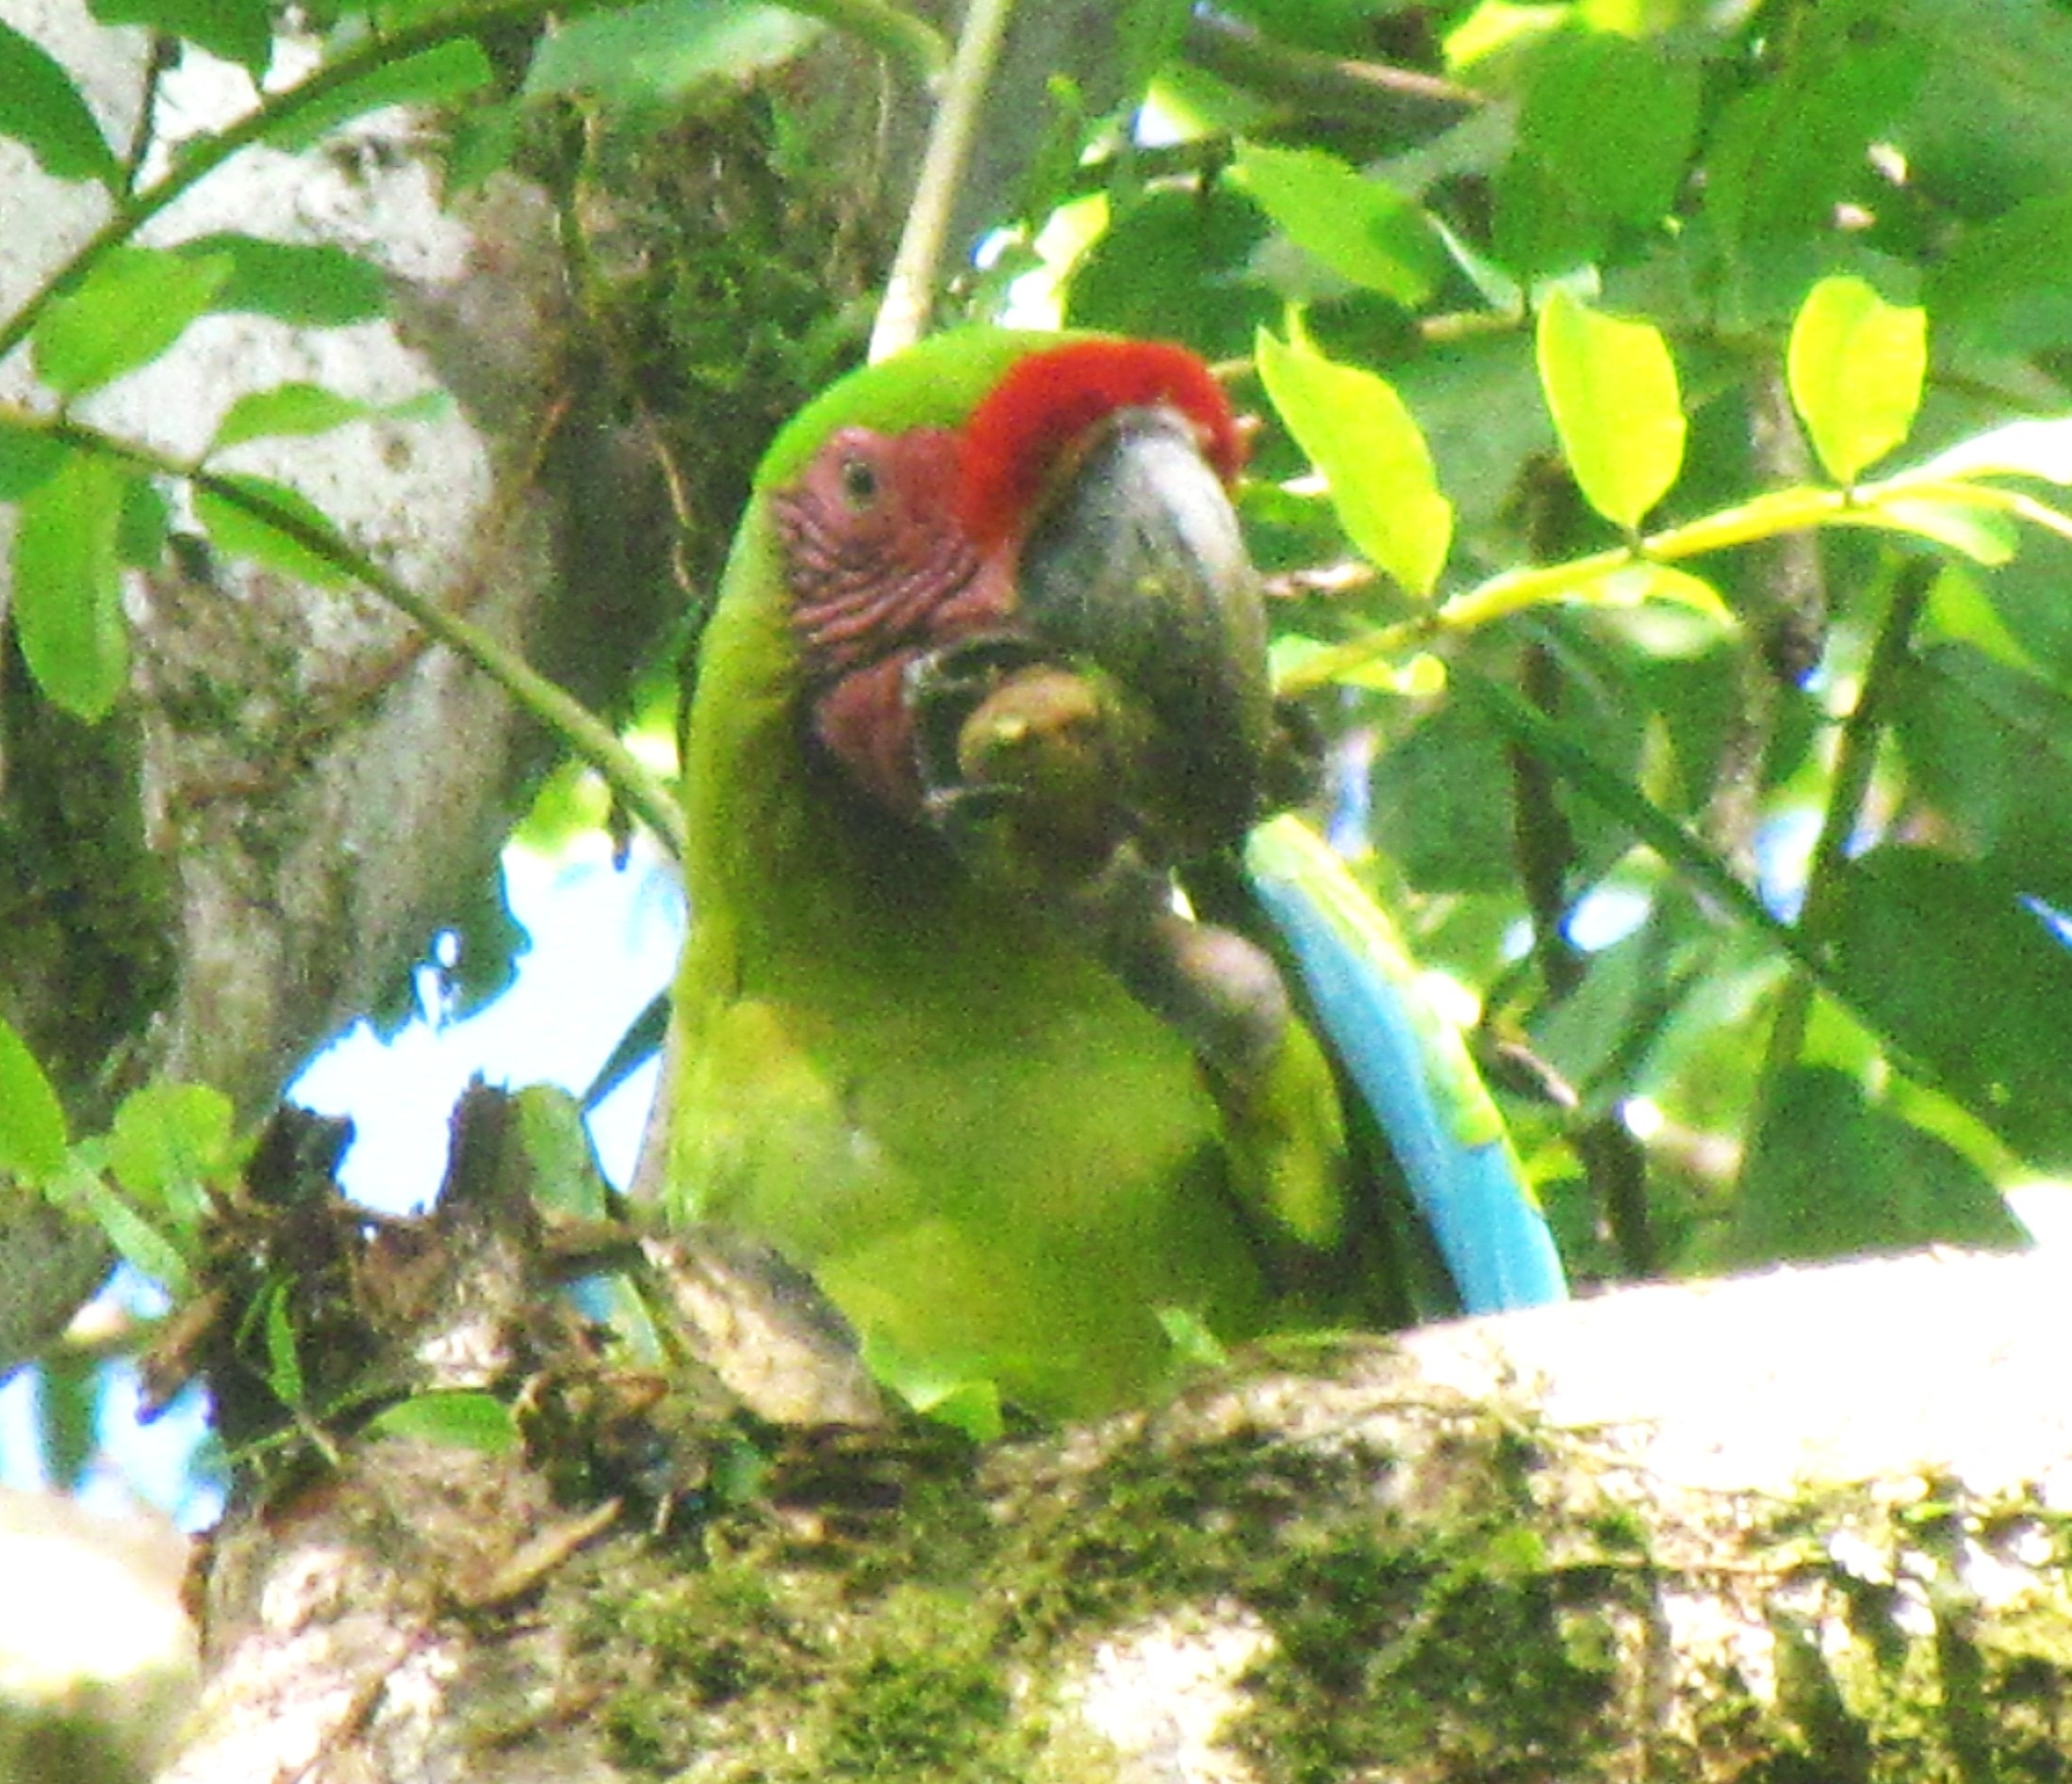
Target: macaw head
[(1012, 563)]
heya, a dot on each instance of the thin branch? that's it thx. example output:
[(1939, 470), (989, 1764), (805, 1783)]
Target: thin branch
[(908, 304), (201, 156), (1856, 757), (1402, 99), (564, 715), (1668, 836)]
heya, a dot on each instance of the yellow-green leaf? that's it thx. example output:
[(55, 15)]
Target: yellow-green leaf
[(1359, 435), (1629, 584), (32, 1121), (1855, 366), (2018, 448), (1611, 388)]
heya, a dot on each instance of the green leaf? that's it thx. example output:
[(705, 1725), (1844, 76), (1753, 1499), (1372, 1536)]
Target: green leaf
[(444, 72), (240, 31), (1611, 388), (2005, 287), (239, 532), (32, 1121), (1988, 748), (297, 407), (1629, 584), (1359, 435), (938, 1388), (305, 284), (659, 50), (1173, 264), (1192, 1342), (283, 1364), (28, 455), (1788, 149), (42, 109), (1830, 1174), (1856, 365), (68, 586), (167, 1143), (1362, 229), (1943, 959), (140, 1243), (565, 1172), (132, 306), (147, 521), (1419, 676), (460, 1419), (1611, 119)]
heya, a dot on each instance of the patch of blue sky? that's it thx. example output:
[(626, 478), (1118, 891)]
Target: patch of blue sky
[(604, 942)]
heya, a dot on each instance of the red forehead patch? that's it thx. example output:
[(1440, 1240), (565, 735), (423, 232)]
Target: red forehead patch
[(1047, 401)]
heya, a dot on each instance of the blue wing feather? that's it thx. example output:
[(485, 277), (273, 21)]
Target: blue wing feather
[(1413, 1067)]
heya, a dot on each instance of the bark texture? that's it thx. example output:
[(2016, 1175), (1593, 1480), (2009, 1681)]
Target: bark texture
[(299, 793), (1806, 1524)]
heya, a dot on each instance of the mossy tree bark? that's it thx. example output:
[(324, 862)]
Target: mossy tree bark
[(1807, 1525)]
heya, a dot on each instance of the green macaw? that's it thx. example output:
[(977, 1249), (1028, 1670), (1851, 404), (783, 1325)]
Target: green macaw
[(985, 683)]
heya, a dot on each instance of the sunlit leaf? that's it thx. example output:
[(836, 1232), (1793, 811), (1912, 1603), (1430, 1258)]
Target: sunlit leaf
[(1494, 27), (42, 109), (1856, 365), (1611, 388), (68, 586), (460, 1419), (32, 1121), (1361, 228), (2020, 449), (130, 308), (1359, 435), (1982, 534), (1629, 584), (1419, 676)]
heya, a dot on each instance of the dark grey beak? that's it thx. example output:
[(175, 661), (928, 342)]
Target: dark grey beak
[(1137, 566)]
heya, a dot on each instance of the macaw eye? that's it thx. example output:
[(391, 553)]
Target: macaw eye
[(859, 483)]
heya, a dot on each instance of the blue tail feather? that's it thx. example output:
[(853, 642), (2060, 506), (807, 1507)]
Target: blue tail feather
[(1413, 1069)]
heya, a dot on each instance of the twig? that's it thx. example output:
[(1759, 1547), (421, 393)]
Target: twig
[(908, 304)]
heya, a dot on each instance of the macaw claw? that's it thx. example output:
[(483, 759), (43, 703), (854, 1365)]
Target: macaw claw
[(1025, 768)]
